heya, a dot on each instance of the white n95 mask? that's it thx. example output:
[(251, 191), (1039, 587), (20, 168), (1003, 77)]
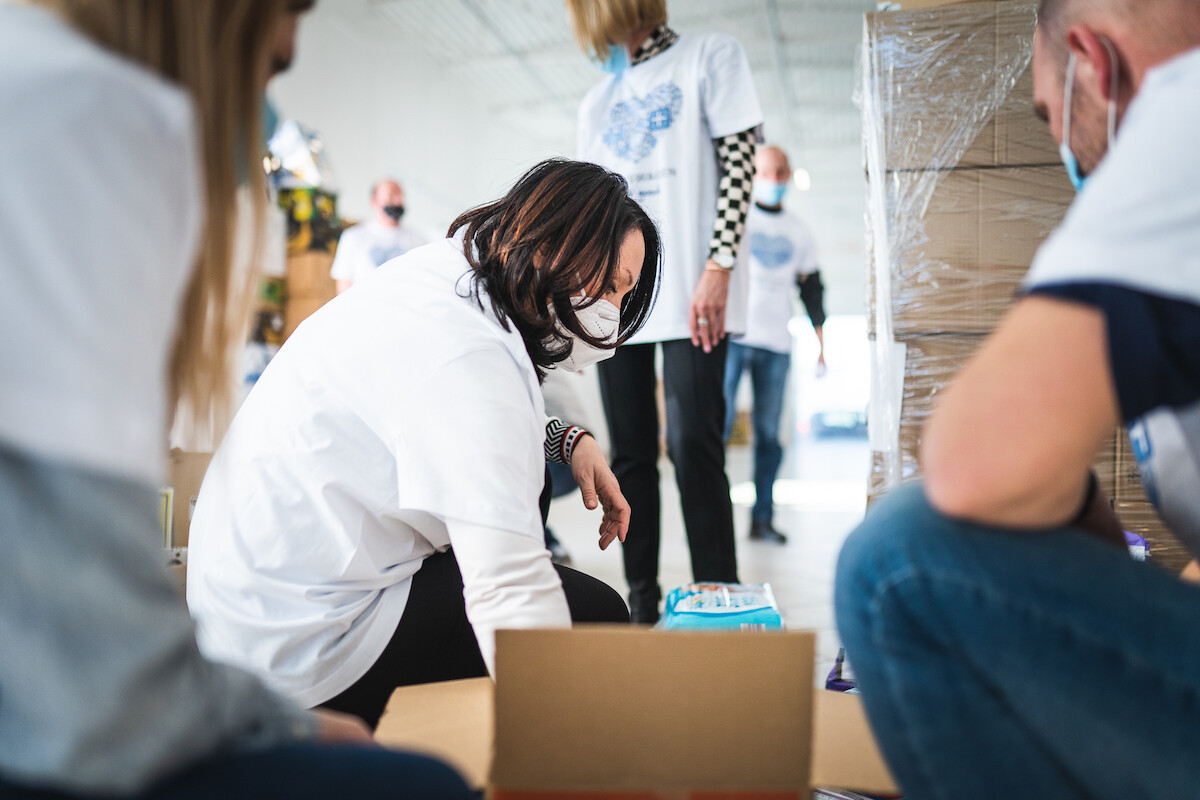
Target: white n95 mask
[(603, 321)]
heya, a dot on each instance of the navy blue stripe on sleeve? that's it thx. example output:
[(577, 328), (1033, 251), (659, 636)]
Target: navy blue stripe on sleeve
[(1153, 344)]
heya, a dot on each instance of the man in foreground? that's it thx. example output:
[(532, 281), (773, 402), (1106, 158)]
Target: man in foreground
[(1005, 643)]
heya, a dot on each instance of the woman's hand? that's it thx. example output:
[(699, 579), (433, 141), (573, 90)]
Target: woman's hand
[(599, 486), (706, 316)]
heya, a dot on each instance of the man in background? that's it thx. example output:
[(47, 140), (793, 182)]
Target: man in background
[(783, 256), (381, 238)]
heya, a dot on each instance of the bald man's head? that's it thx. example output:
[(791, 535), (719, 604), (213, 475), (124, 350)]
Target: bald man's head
[(1162, 27), (387, 201), (771, 163)]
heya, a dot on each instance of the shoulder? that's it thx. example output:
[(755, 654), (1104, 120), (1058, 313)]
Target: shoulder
[(715, 48), (352, 235), (67, 81)]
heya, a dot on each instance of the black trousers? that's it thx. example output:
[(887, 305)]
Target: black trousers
[(693, 383), (435, 641)]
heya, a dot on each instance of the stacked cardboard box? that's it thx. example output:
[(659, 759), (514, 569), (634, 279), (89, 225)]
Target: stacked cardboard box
[(309, 287), (963, 185)]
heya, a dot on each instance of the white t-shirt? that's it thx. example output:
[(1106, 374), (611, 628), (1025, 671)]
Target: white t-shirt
[(655, 124), (363, 248), (392, 424), (75, 385), (1130, 246), (781, 249)]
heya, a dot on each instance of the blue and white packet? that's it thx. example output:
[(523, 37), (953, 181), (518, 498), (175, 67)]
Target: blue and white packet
[(722, 606)]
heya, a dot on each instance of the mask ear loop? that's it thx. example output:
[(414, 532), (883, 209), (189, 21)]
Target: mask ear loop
[(1068, 96), (1114, 86)]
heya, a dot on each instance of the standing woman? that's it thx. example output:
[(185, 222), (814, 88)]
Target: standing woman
[(678, 117), (372, 518), (137, 116)]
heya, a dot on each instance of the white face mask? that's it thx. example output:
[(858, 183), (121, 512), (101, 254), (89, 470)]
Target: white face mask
[(603, 321)]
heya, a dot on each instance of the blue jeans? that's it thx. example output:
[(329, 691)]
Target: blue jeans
[(1004, 664), (768, 379), (297, 772)]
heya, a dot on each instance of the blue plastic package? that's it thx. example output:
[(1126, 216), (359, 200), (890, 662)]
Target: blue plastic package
[(722, 606)]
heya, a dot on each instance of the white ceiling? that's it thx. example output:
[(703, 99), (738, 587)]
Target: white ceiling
[(521, 55)]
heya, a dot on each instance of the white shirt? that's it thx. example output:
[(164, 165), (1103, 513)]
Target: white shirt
[(781, 249), (396, 421), (1130, 246), (364, 247), (75, 386), (655, 124)]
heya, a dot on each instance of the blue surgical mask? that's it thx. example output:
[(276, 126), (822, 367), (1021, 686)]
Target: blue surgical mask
[(616, 61), (769, 193), (1078, 179)]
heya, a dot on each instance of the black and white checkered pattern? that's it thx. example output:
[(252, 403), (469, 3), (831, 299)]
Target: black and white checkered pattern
[(561, 439), (736, 154), (660, 39)]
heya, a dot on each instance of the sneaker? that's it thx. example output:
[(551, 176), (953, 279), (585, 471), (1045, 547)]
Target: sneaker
[(765, 532)]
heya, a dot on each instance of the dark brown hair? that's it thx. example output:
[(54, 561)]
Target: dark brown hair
[(558, 231)]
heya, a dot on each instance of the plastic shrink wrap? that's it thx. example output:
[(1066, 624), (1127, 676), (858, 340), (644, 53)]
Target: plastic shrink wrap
[(964, 182)]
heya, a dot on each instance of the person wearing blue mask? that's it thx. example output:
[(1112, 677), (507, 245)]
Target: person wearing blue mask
[(783, 256), (678, 116), (1005, 642)]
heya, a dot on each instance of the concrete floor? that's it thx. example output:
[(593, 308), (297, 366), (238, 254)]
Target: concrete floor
[(819, 497)]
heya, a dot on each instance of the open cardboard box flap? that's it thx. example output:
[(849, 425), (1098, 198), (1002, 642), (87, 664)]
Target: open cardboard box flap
[(620, 712)]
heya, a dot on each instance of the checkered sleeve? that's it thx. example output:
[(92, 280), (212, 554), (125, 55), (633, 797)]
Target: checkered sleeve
[(561, 439), (736, 155)]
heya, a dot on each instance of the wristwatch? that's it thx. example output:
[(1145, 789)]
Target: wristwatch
[(723, 260)]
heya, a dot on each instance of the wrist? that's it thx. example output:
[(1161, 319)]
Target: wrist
[(721, 260), (572, 439), (713, 266)]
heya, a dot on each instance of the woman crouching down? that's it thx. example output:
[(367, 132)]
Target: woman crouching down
[(371, 518)]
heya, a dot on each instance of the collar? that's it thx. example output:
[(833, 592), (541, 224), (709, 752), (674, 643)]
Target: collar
[(659, 39)]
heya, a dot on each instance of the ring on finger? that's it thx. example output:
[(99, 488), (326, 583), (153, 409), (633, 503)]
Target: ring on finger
[(702, 322)]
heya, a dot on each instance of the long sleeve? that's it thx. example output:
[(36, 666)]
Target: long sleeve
[(508, 581), (735, 153)]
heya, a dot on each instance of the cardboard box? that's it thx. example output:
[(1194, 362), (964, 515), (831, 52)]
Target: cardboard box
[(958, 258), (308, 275), (1138, 514), (931, 363), (605, 713), (299, 309), (896, 5), (185, 473), (951, 87), (1140, 517)]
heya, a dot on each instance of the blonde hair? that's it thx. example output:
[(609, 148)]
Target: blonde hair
[(599, 23), (220, 52)]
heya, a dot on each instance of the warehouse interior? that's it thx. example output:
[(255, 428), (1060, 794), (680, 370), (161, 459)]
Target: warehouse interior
[(720, 413)]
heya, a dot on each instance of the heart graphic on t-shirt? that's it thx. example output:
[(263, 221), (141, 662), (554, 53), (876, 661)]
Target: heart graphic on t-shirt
[(633, 123), (771, 251)]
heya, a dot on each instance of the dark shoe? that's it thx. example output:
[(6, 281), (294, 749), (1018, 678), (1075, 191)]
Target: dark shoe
[(765, 532), (642, 613), (643, 605)]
